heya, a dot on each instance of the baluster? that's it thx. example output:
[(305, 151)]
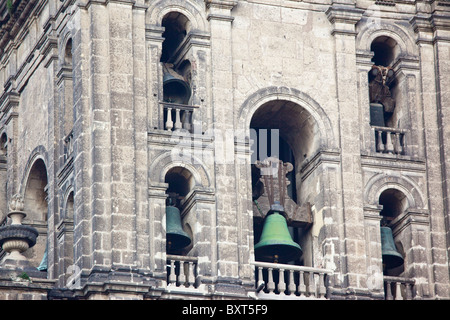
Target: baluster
[(311, 285), (380, 145), (169, 122), (292, 287), (182, 276), (389, 146), (398, 146), (172, 276), (261, 283), (190, 278), (281, 282), (270, 283), (403, 139), (322, 289), (388, 291), (301, 284), (408, 290), (398, 291), (177, 119), (187, 120)]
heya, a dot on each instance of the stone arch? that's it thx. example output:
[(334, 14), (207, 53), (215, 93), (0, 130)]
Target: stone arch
[(195, 14), (67, 52), (165, 162), (262, 96), (33, 189), (68, 203), (3, 144), (34, 183), (382, 182), (65, 41), (367, 33)]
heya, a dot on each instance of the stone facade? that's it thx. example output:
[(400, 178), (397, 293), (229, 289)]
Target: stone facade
[(95, 144)]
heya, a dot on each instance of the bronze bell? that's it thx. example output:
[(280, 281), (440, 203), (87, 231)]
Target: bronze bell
[(276, 244), (377, 115), (176, 237), (175, 88), (391, 257)]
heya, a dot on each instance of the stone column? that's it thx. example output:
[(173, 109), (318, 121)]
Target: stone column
[(140, 124), (9, 116), (344, 15), (441, 39), (364, 64), (110, 133), (157, 230), (228, 220), (431, 42), (374, 282)]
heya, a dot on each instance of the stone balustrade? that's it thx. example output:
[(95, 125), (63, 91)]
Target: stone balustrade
[(274, 280), (399, 288), (182, 271), (178, 116), (390, 140)]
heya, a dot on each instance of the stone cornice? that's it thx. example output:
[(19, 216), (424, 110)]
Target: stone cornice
[(344, 14), (8, 106), (15, 21), (221, 4), (344, 18), (220, 9), (431, 27)]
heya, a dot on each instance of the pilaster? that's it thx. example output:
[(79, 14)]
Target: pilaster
[(228, 219), (432, 29), (343, 16), (110, 134)]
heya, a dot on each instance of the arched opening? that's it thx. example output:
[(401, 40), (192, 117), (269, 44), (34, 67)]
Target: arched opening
[(387, 96), (287, 131), (35, 200), (69, 207), (36, 208), (178, 237), (4, 145), (66, 99), (68, 53), (176, 74), (385, 51), (394, 203), (176, 26), (382, 82)]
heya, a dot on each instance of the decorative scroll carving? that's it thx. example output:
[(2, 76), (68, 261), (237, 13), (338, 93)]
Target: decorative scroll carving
[(275, 182), (379, 87)]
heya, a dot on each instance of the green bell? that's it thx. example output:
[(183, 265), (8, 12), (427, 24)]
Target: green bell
[(276, 244), (176, 237), (391, 257)]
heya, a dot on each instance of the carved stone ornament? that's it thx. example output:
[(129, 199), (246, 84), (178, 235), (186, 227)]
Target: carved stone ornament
[(16, 203), (379, 87), (273, 176)]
